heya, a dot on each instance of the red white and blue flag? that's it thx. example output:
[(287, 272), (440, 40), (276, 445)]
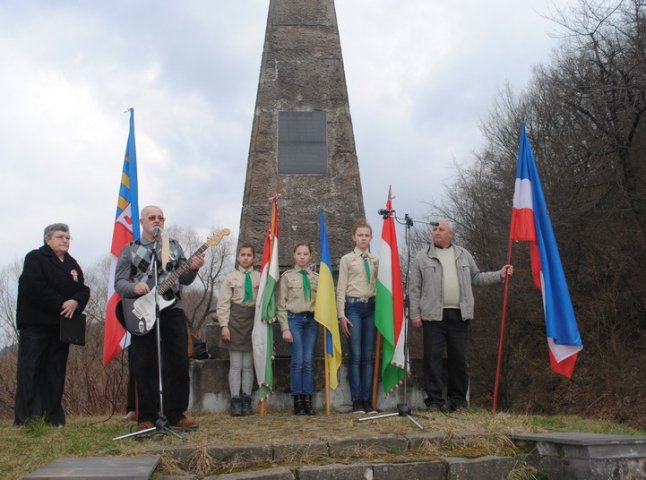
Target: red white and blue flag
[(126, 229), (531, 222)]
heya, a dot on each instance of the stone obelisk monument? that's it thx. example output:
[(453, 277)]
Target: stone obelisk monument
[(302, 142), (302, 146)]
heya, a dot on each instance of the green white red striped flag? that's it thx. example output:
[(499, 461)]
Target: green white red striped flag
[(262, 335), (389, 307)]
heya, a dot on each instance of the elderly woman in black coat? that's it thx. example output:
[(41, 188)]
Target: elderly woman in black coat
[(51, 289)]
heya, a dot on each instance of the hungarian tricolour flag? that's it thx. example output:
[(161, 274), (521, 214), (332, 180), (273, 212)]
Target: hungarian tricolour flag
[(389, 305), (262, 336), (325, 307), (530, 221), (126, 229)]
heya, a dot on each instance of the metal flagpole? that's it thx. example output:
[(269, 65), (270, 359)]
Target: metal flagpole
[(403, 409)]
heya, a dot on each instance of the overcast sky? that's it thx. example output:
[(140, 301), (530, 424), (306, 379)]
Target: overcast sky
[(421, 76)]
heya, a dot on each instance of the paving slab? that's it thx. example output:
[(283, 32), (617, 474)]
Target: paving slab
[(108, 468)]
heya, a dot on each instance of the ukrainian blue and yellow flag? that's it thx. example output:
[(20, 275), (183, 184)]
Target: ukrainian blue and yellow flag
[(325, 308)]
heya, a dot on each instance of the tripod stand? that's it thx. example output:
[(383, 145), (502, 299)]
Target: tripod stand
[(161, 425), (403, 409)]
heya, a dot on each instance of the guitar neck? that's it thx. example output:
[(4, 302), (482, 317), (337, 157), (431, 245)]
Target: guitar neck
[(166, 285)]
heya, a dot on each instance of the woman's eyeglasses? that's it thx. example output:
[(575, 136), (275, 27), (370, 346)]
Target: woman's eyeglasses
[(62, 236)]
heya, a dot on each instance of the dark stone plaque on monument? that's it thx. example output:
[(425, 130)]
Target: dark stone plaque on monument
[(302, 143)]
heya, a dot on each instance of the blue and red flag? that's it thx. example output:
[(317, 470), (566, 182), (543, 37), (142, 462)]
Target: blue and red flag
[(126, 229), (530, 221)]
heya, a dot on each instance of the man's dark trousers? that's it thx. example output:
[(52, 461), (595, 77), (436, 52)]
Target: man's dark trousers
[(174, 354), (453, 333)]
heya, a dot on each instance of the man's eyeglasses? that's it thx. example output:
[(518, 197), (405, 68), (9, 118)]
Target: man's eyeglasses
[(152, 218)]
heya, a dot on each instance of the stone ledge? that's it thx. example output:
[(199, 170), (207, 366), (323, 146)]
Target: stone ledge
[(278, 473), (433, 469), (335, 471), (586, 456), (483, 468), (306, 449), (247, 454), (418, 440), (586, 445), (360, 446)]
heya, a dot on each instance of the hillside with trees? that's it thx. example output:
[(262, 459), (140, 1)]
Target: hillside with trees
[(585, 115)]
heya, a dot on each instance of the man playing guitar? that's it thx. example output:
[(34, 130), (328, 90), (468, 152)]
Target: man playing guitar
[(134, 277)]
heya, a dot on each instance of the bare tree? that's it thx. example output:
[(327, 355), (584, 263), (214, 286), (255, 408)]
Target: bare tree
[(9, 346), (200, 298), (8, 295)]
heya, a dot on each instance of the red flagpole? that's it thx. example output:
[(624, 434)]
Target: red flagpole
[(503, 320)]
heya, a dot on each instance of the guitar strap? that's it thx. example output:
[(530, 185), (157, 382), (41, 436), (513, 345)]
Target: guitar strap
[(165, 252)]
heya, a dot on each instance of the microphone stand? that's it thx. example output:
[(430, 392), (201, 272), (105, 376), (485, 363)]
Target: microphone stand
[(403, 409), (161, 425)]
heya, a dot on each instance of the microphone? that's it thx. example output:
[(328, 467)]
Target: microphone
[(156, 231), (384, 212)]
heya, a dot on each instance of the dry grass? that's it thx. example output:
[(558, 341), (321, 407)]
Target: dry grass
[(472, 433)]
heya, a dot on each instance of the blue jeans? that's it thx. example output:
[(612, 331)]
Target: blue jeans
[(304, 332), (362, 347)]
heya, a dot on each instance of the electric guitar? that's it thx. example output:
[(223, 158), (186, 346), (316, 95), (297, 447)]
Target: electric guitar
[(137, 315)]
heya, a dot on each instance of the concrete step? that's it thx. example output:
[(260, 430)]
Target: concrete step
[(409, 456)]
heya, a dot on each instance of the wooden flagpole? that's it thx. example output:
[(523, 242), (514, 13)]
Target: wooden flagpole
[(326, 357), (375, 372), (503, 320), (262, 404)]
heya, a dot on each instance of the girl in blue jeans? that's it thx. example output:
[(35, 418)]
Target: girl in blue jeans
[(356, 309), (295, 313)]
